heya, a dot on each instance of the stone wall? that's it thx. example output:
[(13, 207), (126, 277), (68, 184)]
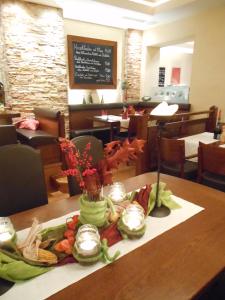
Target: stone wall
[(133, 55), (34, 49), (2, 53)]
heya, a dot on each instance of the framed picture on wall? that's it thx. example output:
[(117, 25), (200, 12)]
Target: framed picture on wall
[(175, 76), (162, 71)]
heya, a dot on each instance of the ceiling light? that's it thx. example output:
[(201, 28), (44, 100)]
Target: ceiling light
[(150, 3)]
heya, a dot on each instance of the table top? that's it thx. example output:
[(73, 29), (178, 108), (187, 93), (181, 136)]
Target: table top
[(204, 137), (113, 119), (175, 265), (192, 143)]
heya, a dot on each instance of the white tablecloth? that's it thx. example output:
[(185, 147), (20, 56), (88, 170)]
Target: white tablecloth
[(192, 142), (59, 278), (123, 122)]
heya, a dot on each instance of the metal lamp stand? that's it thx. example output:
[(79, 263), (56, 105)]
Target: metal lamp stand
[(162, 211)]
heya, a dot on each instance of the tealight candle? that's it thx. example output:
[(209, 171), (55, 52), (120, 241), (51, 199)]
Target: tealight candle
[(7, 231), (117, 192), (88, 240), (133, 217)]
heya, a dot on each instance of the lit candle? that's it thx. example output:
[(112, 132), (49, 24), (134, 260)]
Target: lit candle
[(7, 231), (133, 217), (117, 192), (87, 240)]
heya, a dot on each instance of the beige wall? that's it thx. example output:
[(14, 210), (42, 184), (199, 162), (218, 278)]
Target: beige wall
[(208, 76), (99, 32)]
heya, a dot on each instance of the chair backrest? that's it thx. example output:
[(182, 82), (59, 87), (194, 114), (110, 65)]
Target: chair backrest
[(138, 126), (96, 151), (211, 158), (22, 184), (172, 150), (50, 121), (7, 135)]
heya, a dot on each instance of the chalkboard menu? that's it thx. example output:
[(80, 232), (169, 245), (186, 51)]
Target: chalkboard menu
[(92, 63)]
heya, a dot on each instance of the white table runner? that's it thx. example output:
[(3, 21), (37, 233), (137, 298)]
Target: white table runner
[(59, 278)]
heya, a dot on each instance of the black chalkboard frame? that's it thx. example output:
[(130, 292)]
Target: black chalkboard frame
[(74, 85)]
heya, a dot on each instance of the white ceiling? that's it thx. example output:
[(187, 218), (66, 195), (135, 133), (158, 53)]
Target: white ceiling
[(137, 14)]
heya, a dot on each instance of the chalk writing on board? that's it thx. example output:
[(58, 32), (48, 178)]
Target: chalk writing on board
[(92, 63)]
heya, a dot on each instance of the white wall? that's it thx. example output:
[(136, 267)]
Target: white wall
[(75, 96), (168, 57)]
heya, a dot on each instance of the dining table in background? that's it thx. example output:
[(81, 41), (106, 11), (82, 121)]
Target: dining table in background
[(114, 122), (192, 143), (178, 264)]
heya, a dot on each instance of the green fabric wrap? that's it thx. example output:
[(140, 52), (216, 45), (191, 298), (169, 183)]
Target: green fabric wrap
[(163, 198), (93, 212), (17, 270)]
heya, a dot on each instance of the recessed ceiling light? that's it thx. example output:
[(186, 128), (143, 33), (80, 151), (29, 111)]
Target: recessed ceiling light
[(150, 3)]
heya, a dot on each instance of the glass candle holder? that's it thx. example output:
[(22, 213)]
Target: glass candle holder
[(117, 192), (88, 240), (133, 217), (7, 232)]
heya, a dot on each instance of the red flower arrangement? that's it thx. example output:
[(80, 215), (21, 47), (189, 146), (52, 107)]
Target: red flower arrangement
[(79, 164), (91, 177)]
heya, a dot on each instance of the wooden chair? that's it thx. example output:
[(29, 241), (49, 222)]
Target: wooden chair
[(211, 166), (137, 128), (22, 184), (173, 160), (7, 135), (96, 152)]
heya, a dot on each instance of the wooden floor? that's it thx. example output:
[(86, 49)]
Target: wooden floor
[(122, 173)]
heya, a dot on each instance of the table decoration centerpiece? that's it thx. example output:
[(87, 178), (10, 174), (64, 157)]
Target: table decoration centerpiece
[(132, 221), (85, 236), (7, 232), (117, 192), (93, 206)]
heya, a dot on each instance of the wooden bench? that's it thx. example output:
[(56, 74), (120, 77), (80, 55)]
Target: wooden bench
[(176, 129), (81, 115)]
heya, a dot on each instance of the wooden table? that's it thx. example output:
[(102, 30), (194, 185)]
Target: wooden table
[(175, 265), (110, 121)]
